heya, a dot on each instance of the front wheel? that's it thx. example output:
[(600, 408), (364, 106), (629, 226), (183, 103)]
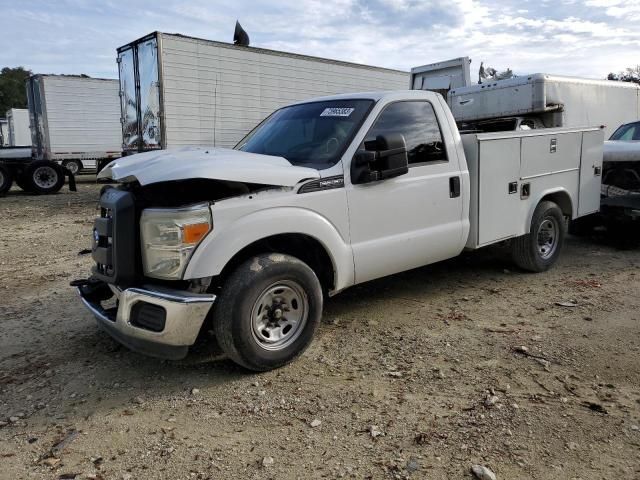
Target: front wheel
[(268, 311), (539, 249)]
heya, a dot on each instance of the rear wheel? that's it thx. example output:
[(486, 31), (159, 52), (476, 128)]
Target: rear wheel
[(6, 179), (43, 177), (74, 166), (539, 249), (268, 311)]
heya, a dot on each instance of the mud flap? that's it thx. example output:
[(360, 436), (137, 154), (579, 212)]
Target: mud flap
[(72, 181)]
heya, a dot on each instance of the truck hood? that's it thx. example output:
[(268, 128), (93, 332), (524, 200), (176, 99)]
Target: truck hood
[(622, 151), (206, 162)]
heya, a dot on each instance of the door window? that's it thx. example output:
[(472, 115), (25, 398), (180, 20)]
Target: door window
[(417, 122)]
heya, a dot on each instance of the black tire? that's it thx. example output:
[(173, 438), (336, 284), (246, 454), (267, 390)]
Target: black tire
[(241, 299), (74, 166), (21, 181), (6, 179), (43, 177), (532, 251)]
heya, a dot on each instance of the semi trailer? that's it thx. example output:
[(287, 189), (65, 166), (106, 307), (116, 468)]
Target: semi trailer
[(4, 132), (75, 120), (321, 195), (177, 91), (16, 161), (18, 127)]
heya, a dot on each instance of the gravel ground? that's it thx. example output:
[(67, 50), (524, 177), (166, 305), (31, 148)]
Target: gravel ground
[(419, 375)]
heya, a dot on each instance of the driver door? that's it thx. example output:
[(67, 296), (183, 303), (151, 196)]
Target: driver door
[(414, 219)]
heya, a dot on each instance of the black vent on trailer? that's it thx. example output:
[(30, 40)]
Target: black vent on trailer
[(240, 37)]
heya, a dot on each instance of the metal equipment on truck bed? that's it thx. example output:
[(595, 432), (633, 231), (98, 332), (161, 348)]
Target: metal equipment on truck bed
[(556, 100)]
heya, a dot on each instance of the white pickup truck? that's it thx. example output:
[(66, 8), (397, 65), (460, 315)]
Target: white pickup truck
[(322, 195)]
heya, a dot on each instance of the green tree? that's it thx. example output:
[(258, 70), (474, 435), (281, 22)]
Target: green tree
[(629, 75), (13, 92)]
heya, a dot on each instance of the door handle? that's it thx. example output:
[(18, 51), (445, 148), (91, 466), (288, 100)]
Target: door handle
[(454, 187)]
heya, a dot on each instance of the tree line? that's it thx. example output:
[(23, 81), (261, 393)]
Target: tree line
[(629, 75), (13, 92)]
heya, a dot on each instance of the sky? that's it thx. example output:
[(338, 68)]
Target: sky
[(587, 38)]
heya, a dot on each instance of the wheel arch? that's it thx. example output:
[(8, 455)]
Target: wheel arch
[(560, 197), (302, 246), (313, 239)]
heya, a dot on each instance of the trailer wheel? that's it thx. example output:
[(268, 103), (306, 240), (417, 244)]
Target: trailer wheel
[(44, 177), (268, 311), (539, 249), (74, 166), (6, 179)]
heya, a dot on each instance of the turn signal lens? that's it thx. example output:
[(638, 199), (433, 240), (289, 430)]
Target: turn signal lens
[(194, 232)]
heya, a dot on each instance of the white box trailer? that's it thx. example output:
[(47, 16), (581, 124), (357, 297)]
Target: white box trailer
[(18, 127), (557, 101), (177, 90), (75, 119), (4, 132)]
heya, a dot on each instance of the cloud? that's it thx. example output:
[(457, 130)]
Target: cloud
[(573, 37)]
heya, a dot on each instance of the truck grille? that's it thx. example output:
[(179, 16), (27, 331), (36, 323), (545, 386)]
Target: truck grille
[(115, 238)]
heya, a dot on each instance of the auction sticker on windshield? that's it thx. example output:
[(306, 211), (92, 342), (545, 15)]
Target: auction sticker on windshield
[(337, 112)]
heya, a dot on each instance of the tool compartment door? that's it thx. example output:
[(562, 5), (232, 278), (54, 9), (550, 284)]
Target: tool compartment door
[(551, 153), (498, 209), (590, 172)]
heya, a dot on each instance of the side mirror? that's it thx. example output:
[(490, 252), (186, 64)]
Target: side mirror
[(384, 157), (362, 166)]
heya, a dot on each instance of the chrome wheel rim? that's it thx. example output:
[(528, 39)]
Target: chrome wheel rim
[(45, 177), (548, 237), (279, 315), (2, 179), (72, 167)]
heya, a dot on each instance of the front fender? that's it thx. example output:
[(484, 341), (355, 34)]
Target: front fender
[(226, 240)]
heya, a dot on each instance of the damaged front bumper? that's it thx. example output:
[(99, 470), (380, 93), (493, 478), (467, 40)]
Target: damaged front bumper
[(153, 321)]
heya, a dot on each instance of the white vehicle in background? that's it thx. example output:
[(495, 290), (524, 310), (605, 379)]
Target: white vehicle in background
[(16, 162), (322, 195), (621, 177), (18, 127), (75, 120), (4, 132)]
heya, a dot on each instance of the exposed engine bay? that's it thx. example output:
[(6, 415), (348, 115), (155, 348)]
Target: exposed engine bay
[(178, 193)]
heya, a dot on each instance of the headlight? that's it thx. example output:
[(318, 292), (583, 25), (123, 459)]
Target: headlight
[(169, 237)]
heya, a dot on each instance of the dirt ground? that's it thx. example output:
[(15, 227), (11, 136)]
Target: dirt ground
[(419, 375)]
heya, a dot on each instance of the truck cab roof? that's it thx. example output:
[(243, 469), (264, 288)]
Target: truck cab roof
[(390, 95)]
